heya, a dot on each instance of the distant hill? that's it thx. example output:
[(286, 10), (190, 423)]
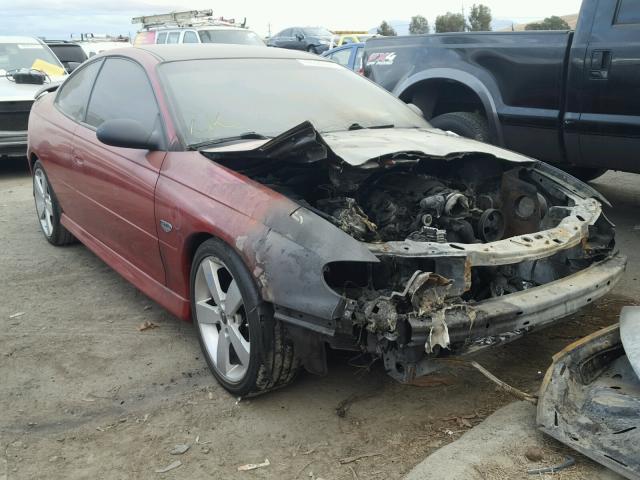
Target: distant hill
[(572, 20)]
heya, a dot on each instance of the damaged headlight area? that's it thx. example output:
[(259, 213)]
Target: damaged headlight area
[(475, 246)]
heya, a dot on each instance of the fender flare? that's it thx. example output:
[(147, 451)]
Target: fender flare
[(468, 80)]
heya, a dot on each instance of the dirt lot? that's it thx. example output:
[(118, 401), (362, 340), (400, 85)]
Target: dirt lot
[(84, 394)]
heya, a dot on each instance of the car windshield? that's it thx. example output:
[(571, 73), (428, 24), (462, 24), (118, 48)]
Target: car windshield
[(27, 55), (317, 32), (239, 37), (215, 99)]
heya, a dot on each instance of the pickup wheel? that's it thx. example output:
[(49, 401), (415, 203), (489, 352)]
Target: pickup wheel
[(465, 124), (247, 350), (586, 174)]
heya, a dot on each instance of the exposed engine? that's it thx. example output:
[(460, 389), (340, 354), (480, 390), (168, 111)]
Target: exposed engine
[(403, 205), (473, 200)]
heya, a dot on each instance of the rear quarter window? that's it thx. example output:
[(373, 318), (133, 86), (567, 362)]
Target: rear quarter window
[(73, 95)]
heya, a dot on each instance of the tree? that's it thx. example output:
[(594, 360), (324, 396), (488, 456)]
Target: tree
[(386, 30), (419, 25), (450, 22), (480, 18), (549, 23)]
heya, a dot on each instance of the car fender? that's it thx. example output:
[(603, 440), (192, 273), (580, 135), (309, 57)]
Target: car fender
[(489, 101)]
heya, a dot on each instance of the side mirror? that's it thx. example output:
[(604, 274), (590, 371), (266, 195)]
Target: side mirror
[(71, 66), (416, 109), (299, 36), (122, 132)]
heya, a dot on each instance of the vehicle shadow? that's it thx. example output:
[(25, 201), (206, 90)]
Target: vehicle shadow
[(13, 167)]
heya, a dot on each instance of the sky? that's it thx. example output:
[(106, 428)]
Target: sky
[(61, 18)]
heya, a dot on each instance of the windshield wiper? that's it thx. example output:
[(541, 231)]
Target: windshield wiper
[(218, 141), (357, 126)]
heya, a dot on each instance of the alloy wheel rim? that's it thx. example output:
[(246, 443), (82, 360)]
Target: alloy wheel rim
[(44, 206), (222, 319)]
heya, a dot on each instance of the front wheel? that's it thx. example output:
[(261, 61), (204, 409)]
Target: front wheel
[(247, 350), (465, 124)]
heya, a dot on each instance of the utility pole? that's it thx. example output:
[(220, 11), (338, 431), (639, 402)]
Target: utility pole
[(464, 27)]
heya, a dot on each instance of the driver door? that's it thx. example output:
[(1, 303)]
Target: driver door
[(118, 184)]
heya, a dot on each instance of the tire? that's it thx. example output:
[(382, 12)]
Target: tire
[(48, 209), (312, 49), (247, 350), (465, 124), (586, 174)]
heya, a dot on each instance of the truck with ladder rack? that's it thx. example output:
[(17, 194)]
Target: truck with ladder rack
[(193, 26)]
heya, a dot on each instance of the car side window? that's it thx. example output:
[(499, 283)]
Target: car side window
[(342, 57), (174, 37), (628, 12), (162, 37), (190, 37), (285, 33), (122, 91), (74, 93)]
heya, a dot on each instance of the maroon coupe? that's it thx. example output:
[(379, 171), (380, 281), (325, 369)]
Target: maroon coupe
[(287, 205)]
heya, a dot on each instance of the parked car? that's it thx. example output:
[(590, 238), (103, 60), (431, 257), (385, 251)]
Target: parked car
[(201, 34), (568, 98), (343, 37), (349, 55), (333, 217), (26, 64), (70, 54), (310, 39), (93, 44)]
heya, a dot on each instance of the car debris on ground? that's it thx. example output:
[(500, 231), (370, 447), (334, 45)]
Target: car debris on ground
[(168, 468), (590, 396), (254, 466)]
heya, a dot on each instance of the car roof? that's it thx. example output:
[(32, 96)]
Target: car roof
[(198, 28), (19, 39), (173, 53)]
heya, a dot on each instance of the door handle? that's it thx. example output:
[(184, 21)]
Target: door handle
[(600, 63)]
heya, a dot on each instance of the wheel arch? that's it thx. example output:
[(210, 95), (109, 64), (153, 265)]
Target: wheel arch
[(444, 90), (33, 158)]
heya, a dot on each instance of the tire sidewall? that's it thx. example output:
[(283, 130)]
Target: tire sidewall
[(475, 127), (254, 309)]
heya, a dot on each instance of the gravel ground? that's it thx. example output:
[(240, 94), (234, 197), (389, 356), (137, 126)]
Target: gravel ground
[(84, 394)]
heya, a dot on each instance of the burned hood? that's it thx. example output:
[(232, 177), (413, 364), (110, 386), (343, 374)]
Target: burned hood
[(305, 144), (359, 146)]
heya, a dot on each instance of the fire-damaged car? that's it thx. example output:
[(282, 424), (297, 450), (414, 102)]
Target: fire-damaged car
[(282, 216)]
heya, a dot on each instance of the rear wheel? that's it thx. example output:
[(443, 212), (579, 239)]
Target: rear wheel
[(247, 350), (465, 124), (48, 209)]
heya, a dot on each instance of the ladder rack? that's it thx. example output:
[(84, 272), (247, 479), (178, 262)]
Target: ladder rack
[(187, 18)]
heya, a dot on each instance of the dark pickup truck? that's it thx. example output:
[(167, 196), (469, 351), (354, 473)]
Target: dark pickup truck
[(568, 98)]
